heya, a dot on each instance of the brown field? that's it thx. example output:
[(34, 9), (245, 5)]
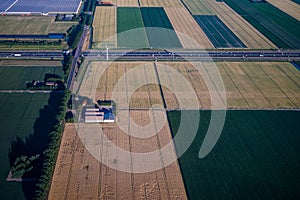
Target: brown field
[(161, 3), (78, 175), (251, 37), (250, 85), (10, 62), (128, 3), (288, 7), (187, 27), (105, 28), (100, 83), (32, 25)]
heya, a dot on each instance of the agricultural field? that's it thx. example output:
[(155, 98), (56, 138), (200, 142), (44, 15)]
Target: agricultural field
[(288, 7), (79, 175), (19, 112), (128, 3), (15, 77), (139, 23), (256, 156), (105, 27), (218, 33), (187, 29), (161, 3), (248, 85), (32, 25), (251, 37), (131, 19), (296, 1), (164, 37), (279, 27), (25, 121), (100, 79)]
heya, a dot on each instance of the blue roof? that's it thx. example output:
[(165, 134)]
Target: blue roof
[(43, 6)]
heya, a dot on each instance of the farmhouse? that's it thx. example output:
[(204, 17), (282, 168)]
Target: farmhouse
[(103, 114)]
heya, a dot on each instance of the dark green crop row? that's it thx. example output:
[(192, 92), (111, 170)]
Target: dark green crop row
[(282, 29)]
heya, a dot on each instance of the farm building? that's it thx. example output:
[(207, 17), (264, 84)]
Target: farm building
[(104, 114)]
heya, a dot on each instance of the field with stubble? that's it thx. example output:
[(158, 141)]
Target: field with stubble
[(105, 28), (187, 29), (79, 175), (250, 85), (160, 3)]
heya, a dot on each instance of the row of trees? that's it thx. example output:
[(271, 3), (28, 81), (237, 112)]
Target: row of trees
[(50, 154), (86, 18)]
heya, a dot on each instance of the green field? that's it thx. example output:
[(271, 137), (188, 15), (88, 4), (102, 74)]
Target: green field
[(163, 35), (256, 157), (217, 32), (146, 27), (15, 77), (19, 113), (25, 121), (131, 19), (282, 29)]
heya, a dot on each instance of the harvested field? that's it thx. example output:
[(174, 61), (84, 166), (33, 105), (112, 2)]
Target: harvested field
[(251, 37), (79, 175), (161, 3), (218, 33), (105, 27), (186, 28), (128, 3), (32, 25), (163, 34), (130, 21), (248, 85), (288, 7), (102, 81), (279, 27)]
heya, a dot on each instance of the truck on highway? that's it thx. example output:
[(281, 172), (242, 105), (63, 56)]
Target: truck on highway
[(17, 55)]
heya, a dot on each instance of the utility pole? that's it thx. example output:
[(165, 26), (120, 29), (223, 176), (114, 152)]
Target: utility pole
[(107, 52)]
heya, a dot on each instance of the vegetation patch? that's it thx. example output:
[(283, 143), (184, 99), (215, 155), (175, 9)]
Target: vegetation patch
[(256, 156), (282, 29), (159, 29), (130, 28), (218, 33)]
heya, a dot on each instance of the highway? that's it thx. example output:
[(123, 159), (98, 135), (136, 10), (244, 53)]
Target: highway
[(218, 54)]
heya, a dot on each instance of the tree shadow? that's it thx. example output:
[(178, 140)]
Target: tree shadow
[(37, 142)]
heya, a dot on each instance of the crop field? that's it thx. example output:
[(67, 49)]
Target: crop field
[(165, 36), (19, 112), (32, 25), (187, 29), (282, 29), (79, 175), (131, 19), (15, 77), (251, 37), (105, 26), (128, 3), (98, 83), (218, 33), (256, 157), (296, 1), (250, 85), (288, 7), (26, 119), (161, 3)]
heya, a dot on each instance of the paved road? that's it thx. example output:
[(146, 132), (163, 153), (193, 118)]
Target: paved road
[(218, 54), (74, 66)]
